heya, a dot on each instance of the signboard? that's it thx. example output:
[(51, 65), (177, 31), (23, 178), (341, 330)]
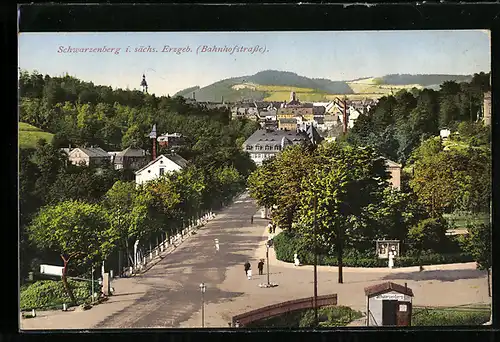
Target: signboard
[(391, 296), (384, 247), (403, 308), (52, 270)]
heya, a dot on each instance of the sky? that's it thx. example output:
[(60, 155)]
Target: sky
[(183, 59)]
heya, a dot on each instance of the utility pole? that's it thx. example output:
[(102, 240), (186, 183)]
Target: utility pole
[(344, 113), (315, 302)]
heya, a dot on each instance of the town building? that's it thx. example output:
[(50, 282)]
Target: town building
[(162, 165), (287, 124), (170, 140), (265, 144), (130, 158), (88, 156), (395, 173), (487, 108)]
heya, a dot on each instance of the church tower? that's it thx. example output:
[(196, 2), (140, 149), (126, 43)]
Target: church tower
[(144, 84)]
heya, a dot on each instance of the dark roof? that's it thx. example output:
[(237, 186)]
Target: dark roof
[(288, 120), (177, 159), (319, 119), (94, 151), (313, 135), (265, 137), (132, 152), (387, 287)]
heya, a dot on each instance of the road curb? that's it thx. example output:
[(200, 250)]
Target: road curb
[(411, 269)]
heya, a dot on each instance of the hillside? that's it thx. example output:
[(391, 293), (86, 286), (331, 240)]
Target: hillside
[(29, 135), (272, 85), (267, 85)]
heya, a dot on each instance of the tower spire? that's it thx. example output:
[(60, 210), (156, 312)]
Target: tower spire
[(144, 84)]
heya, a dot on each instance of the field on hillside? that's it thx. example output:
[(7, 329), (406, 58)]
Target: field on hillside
[(29, 135), (374, 86)]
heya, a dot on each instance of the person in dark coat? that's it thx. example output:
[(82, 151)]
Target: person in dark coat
[(247, 267), (251, 219), (261, 266)]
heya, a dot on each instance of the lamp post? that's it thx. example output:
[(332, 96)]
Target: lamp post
[(315, 301), (202, 289), (267, 261)]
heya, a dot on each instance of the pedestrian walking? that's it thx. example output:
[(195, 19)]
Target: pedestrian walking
[(274, 228), (216, 245), (251, 220), (261, 266), (249, 274), (247, 268)]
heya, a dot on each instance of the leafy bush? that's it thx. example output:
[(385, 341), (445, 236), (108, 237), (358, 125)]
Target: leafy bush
[(49, 294), (440, 317), (332, 316), (286, 245)]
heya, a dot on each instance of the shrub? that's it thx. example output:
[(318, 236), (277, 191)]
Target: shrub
[(444, 317), (49, 294), (286, 244), (332, 316)]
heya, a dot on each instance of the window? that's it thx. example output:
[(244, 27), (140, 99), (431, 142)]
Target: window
[(249, 147), (268, 147), (162, 171), (277, 147)]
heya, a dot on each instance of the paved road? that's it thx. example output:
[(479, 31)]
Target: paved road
[(173, 293)]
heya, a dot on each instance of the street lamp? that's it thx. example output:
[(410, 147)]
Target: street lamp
[(202, 289), (315, 265), (268, 244)]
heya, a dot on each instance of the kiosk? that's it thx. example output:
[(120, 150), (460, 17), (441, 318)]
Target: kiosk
[(388, 304)]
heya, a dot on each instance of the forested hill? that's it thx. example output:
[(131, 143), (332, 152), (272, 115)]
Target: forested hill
[(81, 113)]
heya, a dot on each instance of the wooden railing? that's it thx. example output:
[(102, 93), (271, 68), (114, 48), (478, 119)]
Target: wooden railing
[(281, 308)]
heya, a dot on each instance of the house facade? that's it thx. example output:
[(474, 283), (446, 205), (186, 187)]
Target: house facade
[(88, 156), (162, 165), (287, 124), (395, 172)]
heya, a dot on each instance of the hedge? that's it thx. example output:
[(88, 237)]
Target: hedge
[(286, 245), (50, 294), (446, 317), (332, 316)]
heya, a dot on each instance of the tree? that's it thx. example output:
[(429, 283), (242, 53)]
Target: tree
[(343, 182), (77, 231), (262, 184), (427, 234), (477, 242), (452, 175)]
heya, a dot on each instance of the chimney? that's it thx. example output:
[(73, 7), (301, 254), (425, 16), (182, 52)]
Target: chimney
[(194, 97), (406, 287)]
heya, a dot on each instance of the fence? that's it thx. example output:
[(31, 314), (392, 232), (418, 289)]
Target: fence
[(145, 257), (281, 308)]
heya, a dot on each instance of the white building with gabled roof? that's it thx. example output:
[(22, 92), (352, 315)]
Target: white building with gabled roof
[(163, 164)]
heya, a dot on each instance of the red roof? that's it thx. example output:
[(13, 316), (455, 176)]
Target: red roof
[(387, 287)]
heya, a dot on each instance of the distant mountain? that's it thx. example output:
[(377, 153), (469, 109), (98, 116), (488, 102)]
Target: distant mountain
[(187, 92), (273, 85), (263, 84)]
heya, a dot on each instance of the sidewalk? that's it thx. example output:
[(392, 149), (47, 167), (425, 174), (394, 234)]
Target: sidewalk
[(411, 269)]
